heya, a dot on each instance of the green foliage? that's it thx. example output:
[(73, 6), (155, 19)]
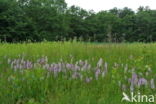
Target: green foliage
[(38, 20), (36, 86)]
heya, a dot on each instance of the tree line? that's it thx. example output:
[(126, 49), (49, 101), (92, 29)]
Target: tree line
[(52, 20)]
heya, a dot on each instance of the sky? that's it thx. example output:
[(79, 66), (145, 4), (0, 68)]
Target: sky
[(98, 5)]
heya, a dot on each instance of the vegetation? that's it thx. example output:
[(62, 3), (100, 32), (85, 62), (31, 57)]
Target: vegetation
[(75, 73), (52, 20), (71, 72)]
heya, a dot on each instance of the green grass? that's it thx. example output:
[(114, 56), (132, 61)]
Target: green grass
[(38, 86)]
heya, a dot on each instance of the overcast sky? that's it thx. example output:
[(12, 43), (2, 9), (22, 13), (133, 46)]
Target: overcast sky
[(98, 5)]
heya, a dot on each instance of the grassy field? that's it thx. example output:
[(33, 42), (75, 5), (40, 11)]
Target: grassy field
[(75, 73)]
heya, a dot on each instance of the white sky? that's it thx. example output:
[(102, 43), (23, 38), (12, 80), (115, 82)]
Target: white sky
[(98, 5)]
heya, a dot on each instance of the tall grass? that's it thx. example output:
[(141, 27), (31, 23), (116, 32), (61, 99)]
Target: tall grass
[(39, 86)]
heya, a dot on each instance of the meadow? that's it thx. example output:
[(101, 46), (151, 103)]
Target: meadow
[(75, 72)]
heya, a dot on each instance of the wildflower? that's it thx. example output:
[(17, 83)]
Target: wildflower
[(76, 67), (97, 72), (132, 87), (142, 81), (100, 62), (76, 75), (42, 60), (46, 66), (106, 68), (87, 80), (81, 63), (152, 84), (86, 66), (9, 61), (69, 66), (103, 74), (147, 73), (149, 69), (133, 81)]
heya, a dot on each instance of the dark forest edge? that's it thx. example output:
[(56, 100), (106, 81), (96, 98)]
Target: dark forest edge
[(52, 20)]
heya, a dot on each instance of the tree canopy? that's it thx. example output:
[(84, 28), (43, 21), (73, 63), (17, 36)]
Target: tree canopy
[(52, 20)]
